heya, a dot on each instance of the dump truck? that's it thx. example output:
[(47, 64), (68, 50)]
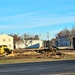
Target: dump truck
[(4, 50)]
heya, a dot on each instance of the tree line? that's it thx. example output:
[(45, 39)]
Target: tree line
[(70, 33), (66, 32), (24, 38)]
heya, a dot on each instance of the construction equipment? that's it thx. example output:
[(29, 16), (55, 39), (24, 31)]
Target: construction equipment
[(5, 50)]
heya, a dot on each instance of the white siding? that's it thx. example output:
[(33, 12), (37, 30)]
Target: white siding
[(21, 44), (7, 40), (63, 42)]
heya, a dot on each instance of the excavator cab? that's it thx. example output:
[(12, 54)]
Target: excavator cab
[(5, 50)]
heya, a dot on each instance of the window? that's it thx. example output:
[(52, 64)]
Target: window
[(9, 40), (3, 39), (66, 44), (9, 45)]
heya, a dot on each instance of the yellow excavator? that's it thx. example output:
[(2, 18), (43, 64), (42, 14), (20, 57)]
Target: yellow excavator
[(4, 50)]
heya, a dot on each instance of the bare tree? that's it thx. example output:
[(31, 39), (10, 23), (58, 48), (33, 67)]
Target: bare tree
[(36, 37), (17, 39), (67, 33), (53, 42), (73, 31), (72, 34), (25, 39)]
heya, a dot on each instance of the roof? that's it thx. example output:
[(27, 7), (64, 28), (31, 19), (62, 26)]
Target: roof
[(5, 35)]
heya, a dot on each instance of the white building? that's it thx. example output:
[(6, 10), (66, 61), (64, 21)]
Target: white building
[(63, 42), (30, 44), (7, 40)]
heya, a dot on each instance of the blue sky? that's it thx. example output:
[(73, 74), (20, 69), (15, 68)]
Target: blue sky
[(36, 16)]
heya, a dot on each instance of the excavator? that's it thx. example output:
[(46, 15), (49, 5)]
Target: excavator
[(4, 50)]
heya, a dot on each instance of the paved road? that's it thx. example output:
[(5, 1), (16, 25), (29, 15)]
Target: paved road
[(42, 68)]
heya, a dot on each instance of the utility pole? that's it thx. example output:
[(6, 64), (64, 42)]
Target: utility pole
[(48, 39), (48, 35), (47, 44)]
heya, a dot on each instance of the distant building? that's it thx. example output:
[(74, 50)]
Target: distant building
[(63, 42), (7, 40), (30, 44)]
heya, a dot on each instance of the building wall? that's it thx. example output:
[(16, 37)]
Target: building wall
[(7, 40), (63, 42), (30, 44)]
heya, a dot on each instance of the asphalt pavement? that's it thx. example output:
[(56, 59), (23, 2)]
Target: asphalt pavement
[(39, 68)]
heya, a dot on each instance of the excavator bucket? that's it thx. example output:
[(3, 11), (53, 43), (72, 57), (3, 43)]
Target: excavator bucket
[(5, 50), (8, 51)]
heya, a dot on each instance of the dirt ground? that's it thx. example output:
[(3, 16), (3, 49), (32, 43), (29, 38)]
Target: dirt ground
[(32, 56), (69, 52)]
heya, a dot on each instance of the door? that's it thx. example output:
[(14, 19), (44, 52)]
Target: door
[(74, 42)]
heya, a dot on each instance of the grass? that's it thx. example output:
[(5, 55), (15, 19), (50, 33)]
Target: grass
[(25, 59), (7, 60), (10, 61)]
